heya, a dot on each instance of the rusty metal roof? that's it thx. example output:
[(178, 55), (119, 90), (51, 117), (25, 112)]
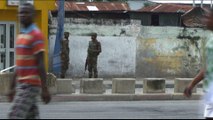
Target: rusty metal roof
[(95, 6), (167, 8), (193, 17)]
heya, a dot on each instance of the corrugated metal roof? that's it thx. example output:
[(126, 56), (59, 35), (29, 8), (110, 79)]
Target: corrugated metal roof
[(182, 1), (167, 8), (193, 17), (95, 6)]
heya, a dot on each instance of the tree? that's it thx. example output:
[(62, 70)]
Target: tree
[(146, 4)]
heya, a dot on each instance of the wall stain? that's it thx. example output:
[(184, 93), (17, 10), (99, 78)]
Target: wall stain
[(178, 54), (190, 45)]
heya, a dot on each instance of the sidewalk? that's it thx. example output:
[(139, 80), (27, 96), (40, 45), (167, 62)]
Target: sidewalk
[(108, 96)]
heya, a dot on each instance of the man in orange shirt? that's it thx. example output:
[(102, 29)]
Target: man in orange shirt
[(30, 74)]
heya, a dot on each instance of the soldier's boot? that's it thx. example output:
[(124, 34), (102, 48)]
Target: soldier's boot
[(95, 72), (62, 75), (90, 74), (96, 75), (63, 72)]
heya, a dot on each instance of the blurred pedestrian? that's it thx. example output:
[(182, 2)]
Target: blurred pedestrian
[(206, 72), (30, 74)]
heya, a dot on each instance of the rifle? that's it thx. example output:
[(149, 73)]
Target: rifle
[(86, 64)]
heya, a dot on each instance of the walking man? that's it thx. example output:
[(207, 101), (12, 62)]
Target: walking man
[(93, 51), (30, 74), (206, 73), (65, 54)]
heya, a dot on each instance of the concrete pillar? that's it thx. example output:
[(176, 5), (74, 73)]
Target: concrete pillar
[(5, 80), (123, 85), (154, 85), (51, 83), (64, 86), (92, 86), (181, 83)]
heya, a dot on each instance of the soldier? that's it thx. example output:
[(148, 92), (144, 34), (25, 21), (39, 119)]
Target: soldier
[(93, 51), (65, 54)]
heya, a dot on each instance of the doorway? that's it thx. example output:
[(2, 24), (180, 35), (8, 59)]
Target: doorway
[(7, 44)]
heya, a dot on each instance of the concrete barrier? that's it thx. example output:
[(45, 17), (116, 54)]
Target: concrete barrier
[(154, 85), (51, 83), (181, 83), (64, 86), (92, 86), (5, 80), (123, 85)]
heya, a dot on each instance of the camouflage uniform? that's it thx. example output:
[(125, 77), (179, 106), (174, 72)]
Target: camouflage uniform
[(64, 56), (93, 51)]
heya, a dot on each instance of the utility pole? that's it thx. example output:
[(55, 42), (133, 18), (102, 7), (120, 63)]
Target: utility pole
[(193, 3), (201, 5)]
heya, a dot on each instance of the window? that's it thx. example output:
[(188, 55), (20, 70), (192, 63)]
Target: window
[(16, 2)]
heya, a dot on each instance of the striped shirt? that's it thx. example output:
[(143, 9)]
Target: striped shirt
[(29, 43)]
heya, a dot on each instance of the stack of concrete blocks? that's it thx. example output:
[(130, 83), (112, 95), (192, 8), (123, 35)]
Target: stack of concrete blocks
[(5, 80), (181, 83), (123, 85), (154, 85), (51, 83), (92, 86), (64, 86)]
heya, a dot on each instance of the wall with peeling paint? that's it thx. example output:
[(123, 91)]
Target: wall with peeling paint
[(132, 50), (118, 40), (170, 51)]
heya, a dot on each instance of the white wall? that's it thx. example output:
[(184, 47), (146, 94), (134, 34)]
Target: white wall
[(170, 51), (117, 57), (118, 51), (143, 51)]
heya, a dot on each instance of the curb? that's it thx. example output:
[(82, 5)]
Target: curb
[(121, 97), (117, 97), (109, 86)]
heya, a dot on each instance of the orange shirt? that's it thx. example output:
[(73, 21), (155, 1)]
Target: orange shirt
[(29, 43)]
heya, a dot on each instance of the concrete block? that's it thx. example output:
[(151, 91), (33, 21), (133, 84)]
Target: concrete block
[(5, 80), (51, 83), (64, 86), (92, 86), (181, 83), (123, 85), (154, 85)]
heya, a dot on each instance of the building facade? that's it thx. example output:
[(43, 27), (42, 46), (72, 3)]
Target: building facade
[(9, 27)]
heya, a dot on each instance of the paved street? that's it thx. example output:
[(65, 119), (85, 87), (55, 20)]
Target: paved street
[(119, 109)]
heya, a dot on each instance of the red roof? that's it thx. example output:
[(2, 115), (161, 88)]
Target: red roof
[(193, 17), (167, 8), (95, 6)]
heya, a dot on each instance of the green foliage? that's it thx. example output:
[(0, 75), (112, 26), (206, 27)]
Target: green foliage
[(146, 4)]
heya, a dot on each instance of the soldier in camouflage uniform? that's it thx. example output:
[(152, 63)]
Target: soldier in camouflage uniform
[(65, 54), (93, 51)]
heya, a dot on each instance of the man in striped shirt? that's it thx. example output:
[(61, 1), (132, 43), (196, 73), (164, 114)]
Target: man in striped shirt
[(30, 74)]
